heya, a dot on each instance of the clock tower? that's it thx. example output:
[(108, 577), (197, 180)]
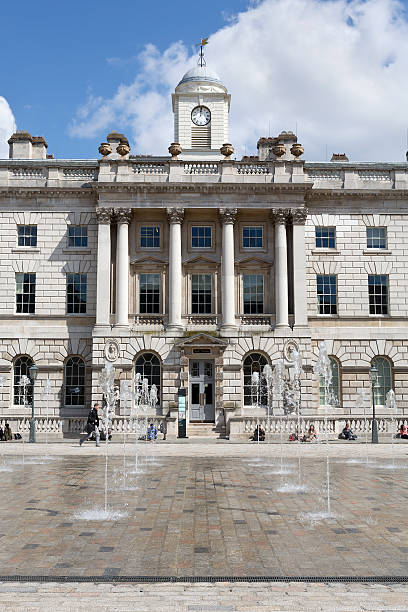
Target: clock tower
[(201, 105)]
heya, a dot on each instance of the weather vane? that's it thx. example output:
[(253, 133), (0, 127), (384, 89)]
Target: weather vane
[(201, 60)]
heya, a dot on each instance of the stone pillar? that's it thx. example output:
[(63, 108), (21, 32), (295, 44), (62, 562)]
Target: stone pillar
[(299, 216), (281, 269), (103, 216), (228, 217), (175, 217), (123, 216)]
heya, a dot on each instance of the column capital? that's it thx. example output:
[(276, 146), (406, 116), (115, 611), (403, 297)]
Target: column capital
[(299, 215), (103, 215), (228, 215), (175, 215), (280, 215), (123, 215)]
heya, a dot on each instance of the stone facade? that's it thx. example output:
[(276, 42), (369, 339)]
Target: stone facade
[(140, 213)]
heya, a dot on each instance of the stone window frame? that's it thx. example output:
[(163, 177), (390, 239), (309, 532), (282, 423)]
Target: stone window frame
[(377, 360), (382, 303), (83, 394), (137, 292), (325, 227), (83, 281), (264, 398), (28, 362), (29, 236), (32, 282), (337, 393), (242, 292), (139, 226), (190, 293), (376, 248), (244, 224), (75, 227), (190, 225), (140, 355), (327, 314)]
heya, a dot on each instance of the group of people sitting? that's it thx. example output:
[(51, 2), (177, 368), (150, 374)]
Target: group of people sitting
[(6, 433), (311, 434)]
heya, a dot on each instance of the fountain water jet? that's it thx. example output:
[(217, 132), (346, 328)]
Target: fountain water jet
[(391, 406), (106, 382)]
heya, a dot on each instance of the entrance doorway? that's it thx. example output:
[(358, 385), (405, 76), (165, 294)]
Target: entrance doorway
[(201, 395)]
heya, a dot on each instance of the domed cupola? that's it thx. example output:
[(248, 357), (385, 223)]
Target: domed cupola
[(201, 105)]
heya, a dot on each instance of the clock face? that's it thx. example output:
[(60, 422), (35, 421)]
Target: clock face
[(200, 115)]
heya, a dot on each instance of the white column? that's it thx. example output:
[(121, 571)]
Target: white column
[(103, 216), (123, 216), (228, 216), (281, 269), (299, 216), (175, 217)]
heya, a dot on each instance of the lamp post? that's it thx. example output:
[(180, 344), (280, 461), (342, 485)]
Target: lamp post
[(374, 384), (33, 371)]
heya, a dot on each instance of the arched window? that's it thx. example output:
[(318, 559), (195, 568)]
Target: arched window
[(22, 394), (75, 382), (148, 366), (254, 395), (384, 380), (331, 395)]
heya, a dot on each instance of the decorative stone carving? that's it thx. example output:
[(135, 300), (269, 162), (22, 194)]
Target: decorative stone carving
[(123, 148), (112, 350), (299, 215), (105, 149), (228, 215), (175, 149), (103, 215), (297, 149), (278, 150), (289, 349), (227, 150), (279, 216), (175, 215), (123, 215)]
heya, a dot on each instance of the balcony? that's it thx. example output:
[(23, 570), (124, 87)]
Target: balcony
[(255, 319), (201, 320), (149, 320)]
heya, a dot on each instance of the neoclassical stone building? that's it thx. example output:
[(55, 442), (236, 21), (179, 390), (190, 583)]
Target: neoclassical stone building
[(196, 270)]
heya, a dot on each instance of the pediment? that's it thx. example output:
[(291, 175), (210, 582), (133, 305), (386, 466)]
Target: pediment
[(148, 260), (201, 260), (201, 340), (254, 262)]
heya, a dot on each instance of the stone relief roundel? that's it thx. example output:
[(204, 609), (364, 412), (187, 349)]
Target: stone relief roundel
[(112, 350), (289, 349)]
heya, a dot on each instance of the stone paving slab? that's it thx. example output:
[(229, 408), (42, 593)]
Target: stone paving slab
[(218, 597)]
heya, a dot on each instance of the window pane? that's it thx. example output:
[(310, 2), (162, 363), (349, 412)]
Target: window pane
[(75, 382), (149, 294), (27, 235), (150, 237), (325, 237), (76, 293), (383, 384), (253, 294), (378, 294), (252, 237), (22, 394), (326, 294), (77, 236), (201, 237), (25, 293), (201, 294), (376, 237)]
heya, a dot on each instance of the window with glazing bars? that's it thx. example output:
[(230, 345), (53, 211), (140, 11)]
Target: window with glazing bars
[(326, 294), (149, 293), (378, 294), (253, 293), (252, 237), (76, 293), (77, 236), (25, 293), (201, 237), (201, 294), (27, 235), (150, 237), (325, 237), (376, 237)]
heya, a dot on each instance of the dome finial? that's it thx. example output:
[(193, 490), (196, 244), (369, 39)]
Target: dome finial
[(201, 61)]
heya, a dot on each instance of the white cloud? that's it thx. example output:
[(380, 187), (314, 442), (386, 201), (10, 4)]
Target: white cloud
[(7, 127), (338, 69)]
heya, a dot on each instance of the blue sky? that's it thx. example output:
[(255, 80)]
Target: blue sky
[(336, 69)]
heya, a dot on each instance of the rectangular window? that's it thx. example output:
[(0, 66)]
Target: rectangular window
[(77, 236), (252, 237), (201, 294), (76, 293), (378, 294), (326, 294), (149, 293), (376, 237), (201, 237), (150, 237), (27, 235), (25, 293), (325, 237), (253, 293)]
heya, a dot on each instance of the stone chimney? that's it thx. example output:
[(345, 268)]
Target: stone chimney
[(338, 157), (39, 147), (266, 146), (115, 139), (24, 146)]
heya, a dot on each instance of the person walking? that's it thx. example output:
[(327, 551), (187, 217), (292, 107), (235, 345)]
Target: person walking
[(92, 425), (163, 428)]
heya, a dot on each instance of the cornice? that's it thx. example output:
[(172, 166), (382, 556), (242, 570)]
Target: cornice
[(358, 194), (35, 192), (202, 188)]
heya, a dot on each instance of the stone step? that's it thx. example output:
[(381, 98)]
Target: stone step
[(202, 430)]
